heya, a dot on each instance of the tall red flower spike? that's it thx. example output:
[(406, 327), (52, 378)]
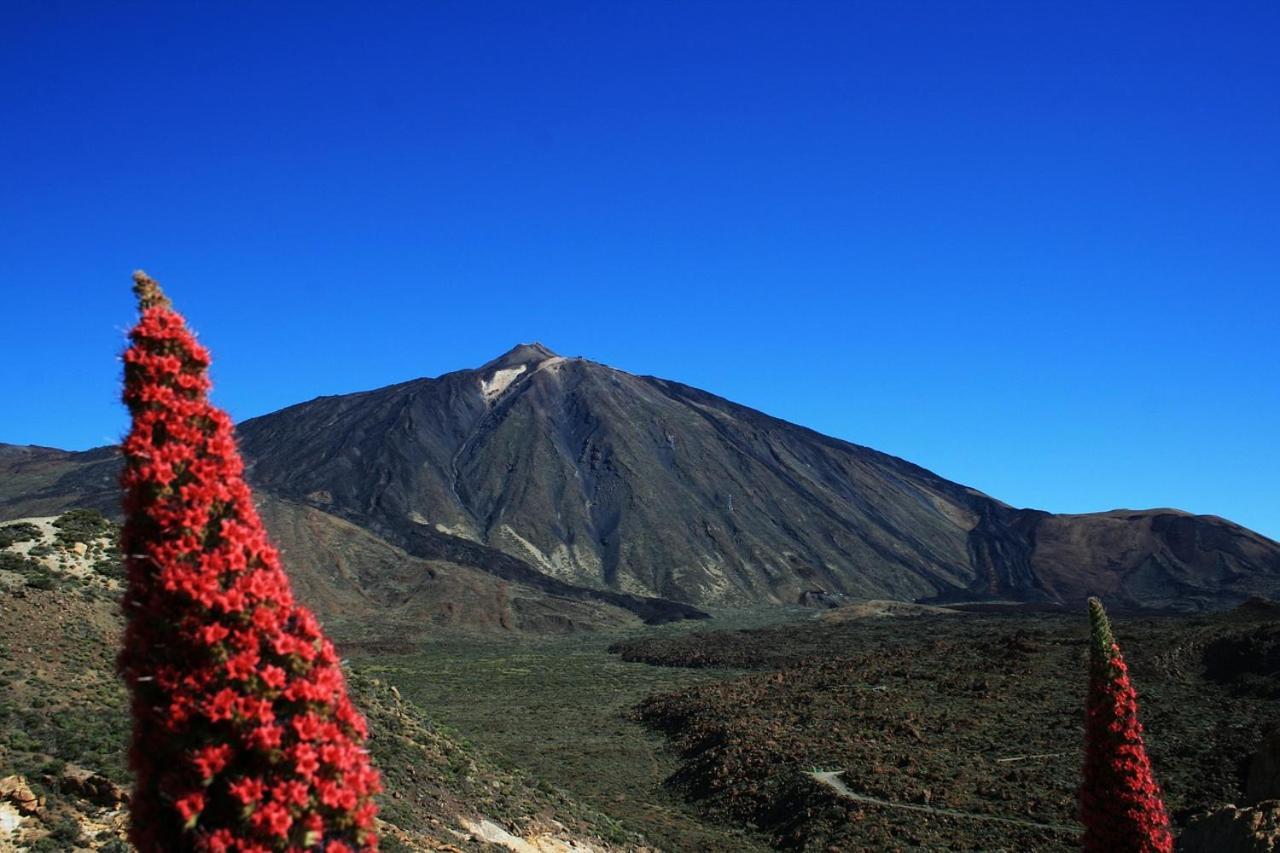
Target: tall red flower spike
[(243, 736), (1120, 802)]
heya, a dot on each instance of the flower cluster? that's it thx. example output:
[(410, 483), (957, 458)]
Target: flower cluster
[(244, 738), (1120, 802)]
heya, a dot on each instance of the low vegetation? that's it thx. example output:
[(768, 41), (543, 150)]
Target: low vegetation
[(48, 554), (975, 718), (970, 717), (558, 711), (62, 706), (83, 525), (19, 531)]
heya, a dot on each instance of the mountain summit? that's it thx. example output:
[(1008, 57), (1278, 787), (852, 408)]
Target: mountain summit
[(520, 354), (523, 354), (550, 470)]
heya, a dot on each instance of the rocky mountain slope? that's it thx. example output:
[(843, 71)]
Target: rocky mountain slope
[(536, 468), (363, 586), (64, 724)]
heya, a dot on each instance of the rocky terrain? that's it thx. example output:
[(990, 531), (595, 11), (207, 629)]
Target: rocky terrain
[(64, 723), (962, 732), (589, 491), (365, 586), (874, 724)]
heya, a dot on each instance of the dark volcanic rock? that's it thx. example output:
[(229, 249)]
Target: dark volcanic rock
[(39, 481), (605, 479), (540, 467), (1249, 662), (1264, 771)]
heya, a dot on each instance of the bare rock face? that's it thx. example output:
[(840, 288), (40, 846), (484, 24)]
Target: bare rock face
[(92, 786), (1230, 829), (15, 790), (819, 598)]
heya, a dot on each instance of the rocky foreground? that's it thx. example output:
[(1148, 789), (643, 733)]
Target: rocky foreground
[(64, 723), (965, 730)]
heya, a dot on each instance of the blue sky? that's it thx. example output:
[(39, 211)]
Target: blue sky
[(1032, 246)]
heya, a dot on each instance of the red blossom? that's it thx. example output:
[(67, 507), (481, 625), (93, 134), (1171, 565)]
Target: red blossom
[(244, 738), (273, 819), (218, 841), (272, 676), (265, 738), (243, 665), (292, 793), (248, 790), (209, 761), (305, 760), (1120, 802), (190, 805), (213, 634)]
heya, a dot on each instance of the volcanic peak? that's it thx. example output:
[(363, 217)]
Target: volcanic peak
[(527, 355)]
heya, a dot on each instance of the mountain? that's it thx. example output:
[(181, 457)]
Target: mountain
[(543, 469), (365, 588)]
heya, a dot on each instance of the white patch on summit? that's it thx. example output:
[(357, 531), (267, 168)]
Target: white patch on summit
[(498, 382)]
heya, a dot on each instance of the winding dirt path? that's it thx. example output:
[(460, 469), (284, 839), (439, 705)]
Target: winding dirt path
[(831, 779)]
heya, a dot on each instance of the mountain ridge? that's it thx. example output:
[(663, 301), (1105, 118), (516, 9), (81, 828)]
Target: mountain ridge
[(642, 486)]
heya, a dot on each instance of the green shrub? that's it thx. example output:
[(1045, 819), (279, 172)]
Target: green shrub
[(42, 582), (109, 567), (10, 562), (53, 767), (63, 835), (21, 531), (83, 525)]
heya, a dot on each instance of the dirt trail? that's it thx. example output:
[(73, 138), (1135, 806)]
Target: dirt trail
[(831, 779)]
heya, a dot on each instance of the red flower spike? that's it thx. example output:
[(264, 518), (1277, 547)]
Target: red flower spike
[(1120, 802), (243, 736)]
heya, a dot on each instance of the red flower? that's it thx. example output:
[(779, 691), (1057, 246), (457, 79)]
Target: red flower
[(243, 665), (314, 824), (209, 761), (213, 634), (266, 738), (218, 841), (273, 819), (272, 676), (1120, 802), (221, 705), (307, 726), (190, 805), (248, 791), (217, 654), (305, 761), (292, 793)]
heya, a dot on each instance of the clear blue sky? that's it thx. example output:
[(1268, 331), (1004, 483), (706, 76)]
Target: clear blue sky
[(1032, 246)]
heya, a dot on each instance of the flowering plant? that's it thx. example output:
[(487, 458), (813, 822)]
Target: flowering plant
[(244, 738), (1120, 802)]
